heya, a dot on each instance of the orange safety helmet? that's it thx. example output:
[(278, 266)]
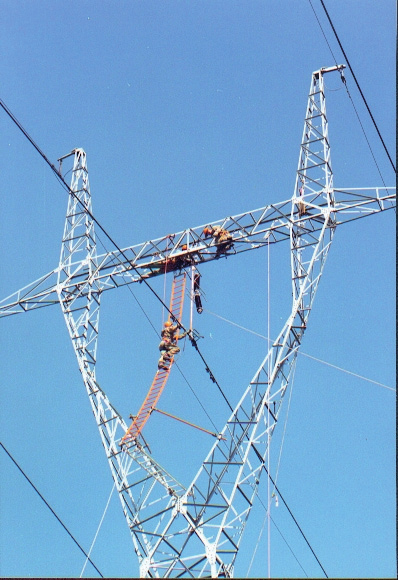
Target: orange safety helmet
[(167, 323), (207, 231), (184, 247)]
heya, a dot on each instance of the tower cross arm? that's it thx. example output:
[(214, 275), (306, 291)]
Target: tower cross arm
[(246, 231)]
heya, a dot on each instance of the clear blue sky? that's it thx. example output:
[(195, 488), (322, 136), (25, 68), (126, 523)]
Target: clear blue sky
[(190, 111)]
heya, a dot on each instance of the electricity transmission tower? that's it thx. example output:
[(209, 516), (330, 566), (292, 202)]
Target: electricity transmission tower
[(196, 531)]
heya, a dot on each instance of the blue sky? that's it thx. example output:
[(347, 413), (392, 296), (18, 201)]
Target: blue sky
[(191, 111)]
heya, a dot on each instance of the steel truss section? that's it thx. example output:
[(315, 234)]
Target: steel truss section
[(251, 230), (196, 531), (81, 312), (214, 510)]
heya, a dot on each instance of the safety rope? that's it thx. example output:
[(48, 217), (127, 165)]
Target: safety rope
[(266, 517), (165, 279), (102, 519), (284, 427), (268, 409), (283, 538), (303, 353)]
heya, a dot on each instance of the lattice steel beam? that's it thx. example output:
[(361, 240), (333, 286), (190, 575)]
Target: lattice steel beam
[(196, 531)]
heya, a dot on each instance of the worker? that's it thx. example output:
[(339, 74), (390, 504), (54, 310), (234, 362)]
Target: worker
[(168, 347), (173, 349), (169, 330), (302, 210), (168, 344), (164, 345), (222, 237)]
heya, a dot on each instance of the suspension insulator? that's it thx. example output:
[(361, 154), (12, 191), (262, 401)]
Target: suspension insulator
[(196, 293)]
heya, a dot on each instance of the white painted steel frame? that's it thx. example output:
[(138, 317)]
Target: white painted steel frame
[(213, 511), (197, 531), (250, 230)]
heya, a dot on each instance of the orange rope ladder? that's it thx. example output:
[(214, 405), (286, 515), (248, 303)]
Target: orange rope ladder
[(160, 380)]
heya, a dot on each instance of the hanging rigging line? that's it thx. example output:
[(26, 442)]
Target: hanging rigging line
[(258, 543), (303, 353), (102, 519), (50, 508), (295, 521), (356, 82), (98, 529), (268, 409), (217, 435), (285, 424)]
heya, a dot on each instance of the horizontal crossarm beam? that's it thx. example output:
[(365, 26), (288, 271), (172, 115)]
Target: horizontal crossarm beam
[(249, 231)]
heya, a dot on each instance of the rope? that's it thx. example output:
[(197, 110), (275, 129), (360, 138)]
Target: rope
[(268, 411), (303, 353), (102, 519), (295, 521), (284, 427), (165, 280), (98, 529), (258, 541), (197, 398), (187, 423), (283, 538), (348, 372)]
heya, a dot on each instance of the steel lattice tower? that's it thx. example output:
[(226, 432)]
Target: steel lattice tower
[(196, 531)]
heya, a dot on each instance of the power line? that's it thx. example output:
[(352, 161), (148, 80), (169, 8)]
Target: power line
[(85, 208), (295, 521), (208, 370), (90, 214), (348, 93), (176, 364), (50, 508), (283, 538), (356, 82)]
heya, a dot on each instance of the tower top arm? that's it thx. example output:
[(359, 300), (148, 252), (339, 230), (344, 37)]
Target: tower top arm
[(247, 231), (328, 69)]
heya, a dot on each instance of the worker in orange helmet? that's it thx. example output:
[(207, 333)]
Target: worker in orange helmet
[(169, 330), (169, 340), (168, 347)]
